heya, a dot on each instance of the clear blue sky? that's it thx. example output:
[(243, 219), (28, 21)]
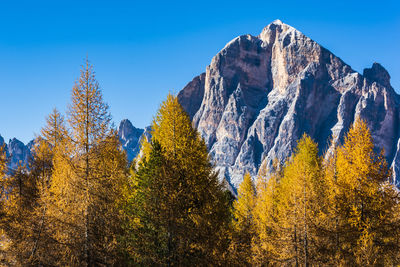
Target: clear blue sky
[(141, 50)]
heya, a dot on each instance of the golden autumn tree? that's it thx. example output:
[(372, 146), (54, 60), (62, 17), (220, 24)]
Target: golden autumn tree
[(366, 202), (193, 209), (201, 195), (298, 206), (52, 135), (55, 130), (326, 220), (88, 173), (266, 242), (26, 222), (243, 222), (20, 193)]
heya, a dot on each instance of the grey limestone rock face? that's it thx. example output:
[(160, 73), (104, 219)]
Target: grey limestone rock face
[(261, 93), (192, 95), (17, 153), (129, 137)]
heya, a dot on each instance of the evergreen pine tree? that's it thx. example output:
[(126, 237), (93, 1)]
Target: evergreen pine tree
[(148, 211)]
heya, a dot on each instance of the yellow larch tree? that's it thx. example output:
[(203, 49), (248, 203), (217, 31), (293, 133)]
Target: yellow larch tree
[(298, 203), (25, 223), (327, 219), (266, 243), (195, 183), (243, 222), (366, 202), (20, 194), (88, 173), (52, 136)]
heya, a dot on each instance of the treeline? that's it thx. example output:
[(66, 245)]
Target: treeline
[(80, 203)]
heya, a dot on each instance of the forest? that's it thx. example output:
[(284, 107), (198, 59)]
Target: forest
[(81, 203)]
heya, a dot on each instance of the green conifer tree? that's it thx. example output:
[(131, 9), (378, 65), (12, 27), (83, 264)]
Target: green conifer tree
[(193, 209)]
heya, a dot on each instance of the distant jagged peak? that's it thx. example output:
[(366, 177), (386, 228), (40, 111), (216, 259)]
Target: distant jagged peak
[(127, 131), (377, 73), (125, 123), (129, 137), (15, 142)]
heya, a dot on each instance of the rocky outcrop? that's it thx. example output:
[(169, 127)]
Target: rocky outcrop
[(17, 153), (378, 74), (192, 95), (129, 137), (261, 93)]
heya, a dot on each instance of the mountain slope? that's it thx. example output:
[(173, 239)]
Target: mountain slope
[(261, 93)]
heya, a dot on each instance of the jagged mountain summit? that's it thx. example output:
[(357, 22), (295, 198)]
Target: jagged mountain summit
[(261, 93), (129, 137), (17, 152)]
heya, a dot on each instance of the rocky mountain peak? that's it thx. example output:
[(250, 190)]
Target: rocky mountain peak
[(278, 30), (377, 73), (277, 22), (129, 137), (261, 93), (126, 129), (17, 152)]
